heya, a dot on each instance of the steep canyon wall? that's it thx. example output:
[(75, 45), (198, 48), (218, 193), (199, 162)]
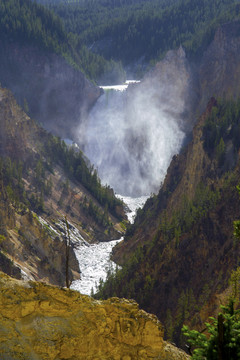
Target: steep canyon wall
[(53, 92)]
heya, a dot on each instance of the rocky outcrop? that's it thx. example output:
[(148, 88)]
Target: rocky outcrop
[(44, 322), (219, 70), (174, 87), (54, 93)]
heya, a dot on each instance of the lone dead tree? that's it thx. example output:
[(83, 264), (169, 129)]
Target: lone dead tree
[(67, 243)]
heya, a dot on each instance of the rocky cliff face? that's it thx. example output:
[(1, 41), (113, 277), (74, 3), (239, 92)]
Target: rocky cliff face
[(215, 73), (56, 95), (184, 236), (43, 322), (34, 243), (173, 85), (219, 69), (185, 85), (185, 172)]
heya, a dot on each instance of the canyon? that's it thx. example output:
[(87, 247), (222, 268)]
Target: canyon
[(170, 265), (35, 243), (132, 135)]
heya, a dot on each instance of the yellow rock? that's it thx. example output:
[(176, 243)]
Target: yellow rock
[(39, 321), (28, 307)]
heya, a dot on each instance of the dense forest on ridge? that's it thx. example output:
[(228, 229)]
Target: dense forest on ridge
[(27, 22), (86, 33), (127, 31)]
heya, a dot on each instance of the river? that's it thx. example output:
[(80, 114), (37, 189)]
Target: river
[(130, 136), (94, 259)]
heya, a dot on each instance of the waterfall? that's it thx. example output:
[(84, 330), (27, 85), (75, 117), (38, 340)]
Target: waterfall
[(130, 137)]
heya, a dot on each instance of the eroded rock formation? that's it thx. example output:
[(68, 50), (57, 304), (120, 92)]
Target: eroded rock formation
[(43, 322)]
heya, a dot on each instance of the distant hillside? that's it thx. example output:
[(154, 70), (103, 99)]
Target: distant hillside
[(41, 66), (129, 31), (81, 16), (41, 182)]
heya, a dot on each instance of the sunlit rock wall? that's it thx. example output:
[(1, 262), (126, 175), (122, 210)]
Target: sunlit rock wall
[(44, 322)]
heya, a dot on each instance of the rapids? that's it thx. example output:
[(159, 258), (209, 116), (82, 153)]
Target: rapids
[(95, 259)]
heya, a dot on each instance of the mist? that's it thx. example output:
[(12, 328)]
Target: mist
[(132, 135)]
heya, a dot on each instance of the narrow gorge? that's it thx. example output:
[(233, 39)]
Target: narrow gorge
[(117, 202)]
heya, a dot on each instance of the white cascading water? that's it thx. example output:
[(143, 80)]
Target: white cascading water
[(131, 139), (95, 259)]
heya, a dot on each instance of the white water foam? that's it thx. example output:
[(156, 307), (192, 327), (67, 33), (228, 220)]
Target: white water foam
[(94, 259), (131, 139)]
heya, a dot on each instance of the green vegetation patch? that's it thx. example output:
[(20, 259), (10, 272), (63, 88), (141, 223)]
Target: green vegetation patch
[(222, 128)]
